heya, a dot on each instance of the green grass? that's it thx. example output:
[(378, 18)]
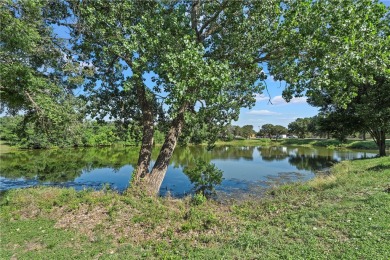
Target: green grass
[(312, 142), (365, 145), (5, 148), (332, 143), (341, 216), (328, 143)]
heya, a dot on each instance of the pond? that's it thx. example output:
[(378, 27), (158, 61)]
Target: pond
[(243, 167)]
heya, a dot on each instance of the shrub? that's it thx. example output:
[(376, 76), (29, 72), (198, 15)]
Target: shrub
[(204, 176)]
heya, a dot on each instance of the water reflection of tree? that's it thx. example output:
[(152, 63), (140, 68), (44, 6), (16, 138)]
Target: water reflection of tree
[(63, 165), (67, 164), (188, 156), (311, 162), (273, 153), (304, 158)]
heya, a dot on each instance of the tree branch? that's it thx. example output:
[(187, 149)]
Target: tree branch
[(194, 17), (35, 105), (212, 19)]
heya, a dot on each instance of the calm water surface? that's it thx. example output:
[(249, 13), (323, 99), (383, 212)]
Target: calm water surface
[(244, 167)]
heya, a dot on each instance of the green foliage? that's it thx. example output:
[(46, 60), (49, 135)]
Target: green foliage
[(9, 129), (338, 56), (159, 137), (21, 132), (280, 130), (36, 75), (198, 199), (300, 127), (247, 131), (327, 55), (270, 130), (100, 134), (267, 130), (204, 176), (230, 132)]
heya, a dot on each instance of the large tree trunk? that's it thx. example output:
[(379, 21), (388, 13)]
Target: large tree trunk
[(382, 144), (379, 137), (145, 152), (153, 180)]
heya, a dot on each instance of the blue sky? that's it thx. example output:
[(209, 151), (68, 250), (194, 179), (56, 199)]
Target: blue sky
[(279, 112)]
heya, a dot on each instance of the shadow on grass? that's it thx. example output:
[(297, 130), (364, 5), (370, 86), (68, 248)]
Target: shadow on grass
[(380, 167)]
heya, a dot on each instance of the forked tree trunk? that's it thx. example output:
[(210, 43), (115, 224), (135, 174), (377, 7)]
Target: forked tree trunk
[(152, 181)]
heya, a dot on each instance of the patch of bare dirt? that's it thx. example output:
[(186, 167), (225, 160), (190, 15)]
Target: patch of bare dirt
[(124, 223), (33, 246), (84, 219)]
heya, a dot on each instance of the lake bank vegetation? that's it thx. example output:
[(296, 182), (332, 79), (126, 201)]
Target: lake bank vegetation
[(341, 215), (14, 133), (308, 142)]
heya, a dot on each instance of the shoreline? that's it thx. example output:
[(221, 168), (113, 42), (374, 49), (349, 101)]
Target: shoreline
[(341, 215)]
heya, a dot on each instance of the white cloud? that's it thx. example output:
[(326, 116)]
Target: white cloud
[(278, 100), (263, 112), (270, 77), (261, 97)]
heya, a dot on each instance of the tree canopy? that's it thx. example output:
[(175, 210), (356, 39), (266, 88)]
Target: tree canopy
[(203, 69), (36, 79), (271, 131), (339, 56)]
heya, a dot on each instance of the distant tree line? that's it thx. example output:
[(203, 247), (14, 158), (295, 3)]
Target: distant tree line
[(330, 125), (18, 131)]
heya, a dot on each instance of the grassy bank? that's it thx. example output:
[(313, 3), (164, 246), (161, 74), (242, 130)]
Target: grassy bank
[(5, 148), (332, 143), (329, 143), (341, 216)]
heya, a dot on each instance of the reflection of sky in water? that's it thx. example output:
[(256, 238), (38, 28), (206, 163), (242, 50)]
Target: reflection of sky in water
[(117, 179), (243, 168), (256, 169), (175, 182)]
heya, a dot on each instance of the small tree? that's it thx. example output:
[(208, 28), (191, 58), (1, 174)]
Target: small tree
[(204, 176), (247, 131), (267, 130), (279, 130), (299, 127)]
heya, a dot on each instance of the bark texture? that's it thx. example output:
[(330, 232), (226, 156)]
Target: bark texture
[(153, 180), (145, 152), (380, 140), (382, 144)]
